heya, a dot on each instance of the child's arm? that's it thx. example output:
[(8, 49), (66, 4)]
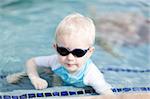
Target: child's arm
[(99, 88), (95, 79), (42, 61), (99, 85), (32, 73)]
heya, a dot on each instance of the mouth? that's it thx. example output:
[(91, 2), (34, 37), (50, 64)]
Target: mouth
[(70, 65)]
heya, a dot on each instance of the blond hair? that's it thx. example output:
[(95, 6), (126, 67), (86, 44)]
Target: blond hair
[(77, 24)]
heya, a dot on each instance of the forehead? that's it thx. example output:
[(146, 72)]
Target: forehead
[(72, 42)]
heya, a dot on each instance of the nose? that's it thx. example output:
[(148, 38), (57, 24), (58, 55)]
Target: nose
[(70, 57)]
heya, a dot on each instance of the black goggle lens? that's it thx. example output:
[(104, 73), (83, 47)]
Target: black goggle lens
[(76, 52)]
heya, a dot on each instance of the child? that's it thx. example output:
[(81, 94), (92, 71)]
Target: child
[(75, 36)]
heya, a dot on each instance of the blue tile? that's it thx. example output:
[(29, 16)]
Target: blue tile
[(32, 95), (119, 89), (128, 70), (135, 71), (116, 70), (126, 89), (114, 90), (122, 69), (40, 95), (64, 93), (136, 89), (48, 94), (143, 88), (55, 93), (23, 96), (6, 97), (72, 93), (87, 91), (142, 71), (109, 69), (3, 76), (148, 70), (79, 92), (15, 97), (148, 88)]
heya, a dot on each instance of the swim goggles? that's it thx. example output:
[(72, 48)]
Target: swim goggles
[(76, 52)]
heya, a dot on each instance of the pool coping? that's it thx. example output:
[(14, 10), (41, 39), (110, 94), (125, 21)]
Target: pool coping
[(25, 94)]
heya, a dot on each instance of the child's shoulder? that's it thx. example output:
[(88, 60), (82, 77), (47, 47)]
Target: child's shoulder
[(46, 57), (91, 65), (50, 60), (93, 69)]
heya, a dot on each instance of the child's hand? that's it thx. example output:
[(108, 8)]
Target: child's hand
[(39, 83)]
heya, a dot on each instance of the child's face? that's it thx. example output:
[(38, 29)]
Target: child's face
[(71, 62)]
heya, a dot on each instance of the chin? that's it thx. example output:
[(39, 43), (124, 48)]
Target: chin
[(72, 69)]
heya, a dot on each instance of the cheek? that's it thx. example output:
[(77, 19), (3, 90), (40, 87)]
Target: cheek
[(61, 59), (81, 61)]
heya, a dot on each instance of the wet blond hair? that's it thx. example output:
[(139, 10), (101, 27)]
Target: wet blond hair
[(77, 24)]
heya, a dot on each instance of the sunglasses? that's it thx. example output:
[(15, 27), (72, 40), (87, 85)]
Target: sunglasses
[(76, 52)]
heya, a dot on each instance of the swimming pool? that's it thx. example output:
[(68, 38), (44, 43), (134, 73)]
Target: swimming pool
[(27, 29)]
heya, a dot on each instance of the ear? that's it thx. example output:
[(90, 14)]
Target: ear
[(90, 51), (54, 46)]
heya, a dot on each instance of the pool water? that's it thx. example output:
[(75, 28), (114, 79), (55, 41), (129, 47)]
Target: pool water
[(27, 30)]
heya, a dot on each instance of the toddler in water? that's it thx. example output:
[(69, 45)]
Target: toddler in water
[(75, 36)]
